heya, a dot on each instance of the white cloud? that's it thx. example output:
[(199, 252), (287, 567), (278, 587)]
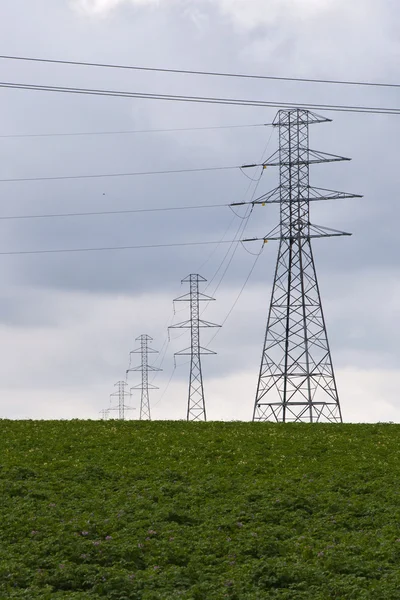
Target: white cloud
[(100, 7), (366, 396), (252, 13), (248, 13), (67, 367), (61, 352)]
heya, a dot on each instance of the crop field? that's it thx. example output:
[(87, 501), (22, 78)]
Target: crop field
[(199, 511)]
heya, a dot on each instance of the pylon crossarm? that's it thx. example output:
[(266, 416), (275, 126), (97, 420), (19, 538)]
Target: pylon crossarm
[(312, 195), (150, 386), (203, 323), (139, 351), (182, 325)]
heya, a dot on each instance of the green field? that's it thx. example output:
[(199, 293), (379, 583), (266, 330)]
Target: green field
[(169, 510)]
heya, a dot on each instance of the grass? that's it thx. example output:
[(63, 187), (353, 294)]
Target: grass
[(170, 510)]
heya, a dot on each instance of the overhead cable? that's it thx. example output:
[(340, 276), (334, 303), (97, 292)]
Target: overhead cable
[(130, 131), (138, 247), (239, 294), (198, 72), (110, 212), (112, 248), (202, 99), (133, 174)]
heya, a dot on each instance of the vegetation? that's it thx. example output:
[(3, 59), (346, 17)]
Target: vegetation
[(169, 510)]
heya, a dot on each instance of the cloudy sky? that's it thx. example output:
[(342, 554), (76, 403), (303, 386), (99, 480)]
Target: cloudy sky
[(68, 321)]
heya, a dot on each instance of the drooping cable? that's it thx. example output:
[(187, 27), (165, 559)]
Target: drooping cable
[(128, 131), (202, 99), (198, 72)]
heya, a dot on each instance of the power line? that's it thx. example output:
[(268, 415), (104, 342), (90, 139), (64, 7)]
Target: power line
[(239, 295), (169, 381), (205, 73), (134, 174), (111, 212), (203, 99), (145, 246), (243, 225), (130, 131), (111, 248)]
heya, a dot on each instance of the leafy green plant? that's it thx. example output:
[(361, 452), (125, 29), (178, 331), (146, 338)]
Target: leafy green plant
[(199, 511)]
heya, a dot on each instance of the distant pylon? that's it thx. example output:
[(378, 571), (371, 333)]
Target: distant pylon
[(144, 350), (297, 381), (121, 394), (104, 414), (196, 410)]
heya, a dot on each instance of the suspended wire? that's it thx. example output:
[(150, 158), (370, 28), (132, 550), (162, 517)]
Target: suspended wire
[(222, 240), (202, 99), (169, 381), (242, 227), (247, 176), (164, 347), (130, 131), (214, 250), (239, 295), (206, 73), (160, 362), (232, 249), (238, 234), (166, 387), (248, 251), (134, 174), (241, 230), (219, 243), (112, 248), (111, 212), (233, 245), (264, 154), (236, 214), (218, 330)]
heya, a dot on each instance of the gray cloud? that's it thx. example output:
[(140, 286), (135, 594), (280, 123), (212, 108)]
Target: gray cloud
[(68, 321)]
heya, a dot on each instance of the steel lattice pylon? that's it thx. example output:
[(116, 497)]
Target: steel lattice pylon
[(145, 386), (196, 410), (121, 394), (296, 380)]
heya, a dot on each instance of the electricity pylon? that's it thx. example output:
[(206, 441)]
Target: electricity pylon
[(144, 350), (296, 380), (121, 394), (196, 410)]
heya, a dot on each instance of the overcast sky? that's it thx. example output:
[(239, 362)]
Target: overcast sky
[(69, 321)]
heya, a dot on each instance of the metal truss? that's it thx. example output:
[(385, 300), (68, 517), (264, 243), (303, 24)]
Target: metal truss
[(145, 386), (121, 394), (196, 410), (296, 381)]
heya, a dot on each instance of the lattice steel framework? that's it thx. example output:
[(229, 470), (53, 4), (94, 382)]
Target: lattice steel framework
[(121, 394), (145, 368), (196, 410), (296, 380), (104, 414)]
